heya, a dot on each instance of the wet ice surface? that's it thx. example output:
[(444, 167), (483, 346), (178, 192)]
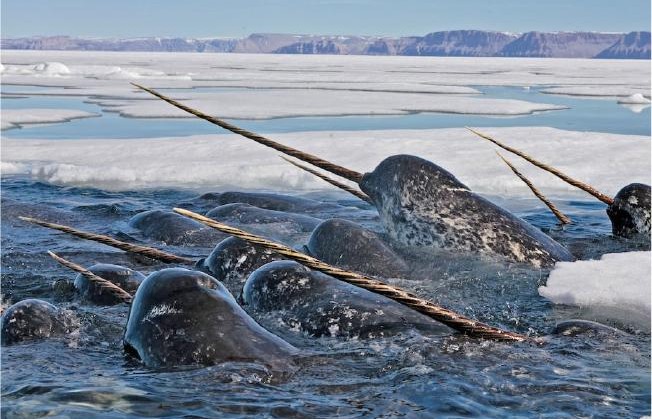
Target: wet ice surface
[(87, 374)]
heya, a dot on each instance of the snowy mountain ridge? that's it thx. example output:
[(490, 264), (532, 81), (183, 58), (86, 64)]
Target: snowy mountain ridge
[(463, 43)]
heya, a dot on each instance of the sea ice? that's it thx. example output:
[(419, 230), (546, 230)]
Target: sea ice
[(15, 118), (223, 161), (635, 99), (397, 74), (272, 103), (621, 91), (617, 285)]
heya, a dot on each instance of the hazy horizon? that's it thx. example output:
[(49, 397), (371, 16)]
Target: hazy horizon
[(309, 34)]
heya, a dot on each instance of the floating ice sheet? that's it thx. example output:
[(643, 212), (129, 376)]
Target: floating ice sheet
[(264, 104), (617, 285), (608, 161), (14, 118), (422, 74)]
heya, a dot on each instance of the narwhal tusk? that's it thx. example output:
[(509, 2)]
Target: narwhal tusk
[(150, 252), (308, 158), (450, 318), (578, 184), (107, 286), (560, 216), (330, 180)]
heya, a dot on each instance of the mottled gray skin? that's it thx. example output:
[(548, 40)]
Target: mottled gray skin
[(346, 244), (630, 211), (125, 278), (174, 229), (282, 226), (423, 205), (579, 327), (233, 260), (288, 293), (32, 320), (184, 317)]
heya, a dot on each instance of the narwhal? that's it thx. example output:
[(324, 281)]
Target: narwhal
[(422, 205), (629, 210)]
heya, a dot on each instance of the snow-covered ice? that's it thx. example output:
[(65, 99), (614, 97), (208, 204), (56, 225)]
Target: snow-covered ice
[(616, 286), (606, 91), (15, 118), (607, 161), (401, 74), (263, 104)]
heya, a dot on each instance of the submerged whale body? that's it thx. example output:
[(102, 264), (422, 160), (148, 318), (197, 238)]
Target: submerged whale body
[(288, 293), (184, 317), (233, 260), (32, 319), (348, 245), (125, 278), (282, 226), (174, 229), (630, 211), (575, 327), (270, 201), (423, 205)]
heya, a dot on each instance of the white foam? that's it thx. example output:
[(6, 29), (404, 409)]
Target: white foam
[(617, 285), (221, 161), (14, 118)]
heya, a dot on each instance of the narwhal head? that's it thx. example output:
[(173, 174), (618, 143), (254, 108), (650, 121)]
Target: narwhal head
[(184, 317), (630, 211), (415, 198), (409, 179)]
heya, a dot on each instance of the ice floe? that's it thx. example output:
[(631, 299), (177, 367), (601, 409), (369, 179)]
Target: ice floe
[(607, 161), (396, 74), (635, 99), (264, 104), (606, 91), (15, 118), (617, 286)]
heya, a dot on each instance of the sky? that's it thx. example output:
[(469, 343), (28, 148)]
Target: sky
[(238, 18)]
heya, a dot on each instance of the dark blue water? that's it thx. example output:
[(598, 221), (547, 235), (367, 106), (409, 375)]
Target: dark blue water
[(582, 115), (87, 375)]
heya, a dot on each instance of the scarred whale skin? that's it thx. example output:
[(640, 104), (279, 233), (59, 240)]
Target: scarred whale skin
[(184, 317), (32, 319), (233, 260), (423, 205), (630, 211), (319, 305)]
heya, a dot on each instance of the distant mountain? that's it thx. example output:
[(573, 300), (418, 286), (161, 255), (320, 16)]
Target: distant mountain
[(463, 43), (460, 44), (633, 45), (559, 44)]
